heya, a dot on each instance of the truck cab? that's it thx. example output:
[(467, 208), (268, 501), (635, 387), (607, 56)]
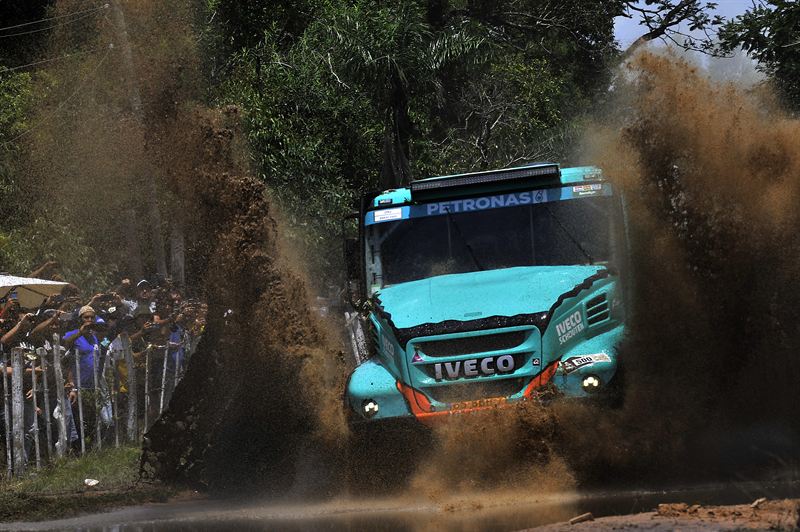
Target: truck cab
[(483, 290)]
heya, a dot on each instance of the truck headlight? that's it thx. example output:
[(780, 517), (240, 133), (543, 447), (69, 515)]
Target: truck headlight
[(370, 408), (590, 383)]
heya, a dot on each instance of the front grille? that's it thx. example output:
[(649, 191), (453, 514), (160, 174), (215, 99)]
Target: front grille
[(472, 344), (597, 309), (471, 391)]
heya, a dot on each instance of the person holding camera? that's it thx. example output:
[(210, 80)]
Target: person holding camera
[(86, 346), (18, 331), (84, 340)]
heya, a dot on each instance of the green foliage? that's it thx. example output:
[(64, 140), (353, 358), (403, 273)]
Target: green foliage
[(309, 141), (770, 32), (360, 90), (16, 98), (46, 237)]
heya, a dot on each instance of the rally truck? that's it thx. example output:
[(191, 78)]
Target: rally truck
[(482, 290)]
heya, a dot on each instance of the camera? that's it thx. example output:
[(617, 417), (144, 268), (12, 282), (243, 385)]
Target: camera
[(44, 315), (69, 319)]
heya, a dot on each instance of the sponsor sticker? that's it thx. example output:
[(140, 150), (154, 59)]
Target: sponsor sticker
[(537, 361), (569, 327), (466, 405), (573, 363), (484, 203), (388, 347), (388, 214), (587, 190)]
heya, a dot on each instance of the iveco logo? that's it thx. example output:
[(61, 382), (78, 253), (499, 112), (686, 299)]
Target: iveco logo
[(473, 367)]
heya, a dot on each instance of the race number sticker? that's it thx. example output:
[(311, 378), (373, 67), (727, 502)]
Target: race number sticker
[(587, 190), (573, 363)]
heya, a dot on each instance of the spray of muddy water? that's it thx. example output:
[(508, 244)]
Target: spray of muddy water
[(265, 379), (711, 177)]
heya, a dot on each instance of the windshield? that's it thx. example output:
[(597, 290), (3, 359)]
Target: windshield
[(566, 232)]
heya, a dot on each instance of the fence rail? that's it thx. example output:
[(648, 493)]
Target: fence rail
[(34, 395)]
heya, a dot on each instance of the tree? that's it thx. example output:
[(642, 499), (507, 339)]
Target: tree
[(770, 33), (665, 18)]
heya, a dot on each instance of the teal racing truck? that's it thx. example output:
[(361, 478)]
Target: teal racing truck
[(482, 290)]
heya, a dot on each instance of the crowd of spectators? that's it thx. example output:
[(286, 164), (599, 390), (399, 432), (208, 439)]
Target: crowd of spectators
[(149, 316)]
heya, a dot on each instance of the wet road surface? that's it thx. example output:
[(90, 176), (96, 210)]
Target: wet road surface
[(484, 511)]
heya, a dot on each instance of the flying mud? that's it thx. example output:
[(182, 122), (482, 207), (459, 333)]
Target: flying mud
[(710, 174)]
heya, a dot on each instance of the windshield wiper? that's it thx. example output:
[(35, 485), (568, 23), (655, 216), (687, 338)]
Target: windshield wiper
[(464, 240), (569, 235)]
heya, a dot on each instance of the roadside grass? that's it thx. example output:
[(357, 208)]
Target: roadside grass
[(58, 490), (114, 468)]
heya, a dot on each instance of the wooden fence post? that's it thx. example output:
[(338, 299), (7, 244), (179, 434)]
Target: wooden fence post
[(18, 411), (62, 404), (133, 404), (35, 406), (163, 380), (7, 414), (42, 352), (81, 432), (98, 400)]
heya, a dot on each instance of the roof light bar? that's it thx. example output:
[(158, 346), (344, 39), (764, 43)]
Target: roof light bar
[(482, 178)]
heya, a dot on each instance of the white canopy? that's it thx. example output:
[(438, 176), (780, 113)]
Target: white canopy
[(30, 292)]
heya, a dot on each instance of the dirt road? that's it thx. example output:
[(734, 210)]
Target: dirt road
[(484, 511)]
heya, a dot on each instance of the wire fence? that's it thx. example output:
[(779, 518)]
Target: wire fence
[(46, 417)]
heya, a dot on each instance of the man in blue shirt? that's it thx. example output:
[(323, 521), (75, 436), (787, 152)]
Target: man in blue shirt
[(85, 345), (84, 341)]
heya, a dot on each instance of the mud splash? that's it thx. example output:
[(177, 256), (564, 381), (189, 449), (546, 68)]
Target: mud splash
[(711, 174), (495, 450), (263, 380)]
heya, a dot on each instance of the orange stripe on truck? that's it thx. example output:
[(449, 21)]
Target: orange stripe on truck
[(421, 407), (541, 379)]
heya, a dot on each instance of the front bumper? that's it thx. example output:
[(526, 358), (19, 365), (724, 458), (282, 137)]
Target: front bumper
[(372, 382)]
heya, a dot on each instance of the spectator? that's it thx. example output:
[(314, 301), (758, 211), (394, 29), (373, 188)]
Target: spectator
[(86, 346), (85, 342), (144, 295), (127, 295), (41, 336), (14, 338), (18, 331), (157, 319)]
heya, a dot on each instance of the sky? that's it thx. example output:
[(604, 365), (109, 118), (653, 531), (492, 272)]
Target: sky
[(739, 68), (628, 30)]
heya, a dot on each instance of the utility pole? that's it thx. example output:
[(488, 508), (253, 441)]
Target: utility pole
[(135, 97)]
